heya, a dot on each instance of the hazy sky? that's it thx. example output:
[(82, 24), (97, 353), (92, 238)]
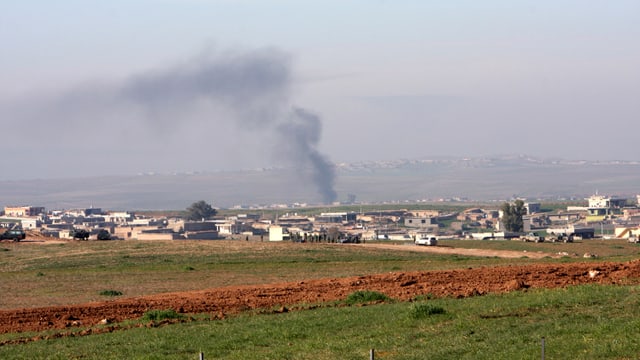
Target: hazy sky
[(122, 87)]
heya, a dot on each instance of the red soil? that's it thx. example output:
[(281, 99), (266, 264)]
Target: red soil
[(402, 286)]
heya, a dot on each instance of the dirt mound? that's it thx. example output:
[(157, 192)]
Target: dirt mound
[(403, 286)]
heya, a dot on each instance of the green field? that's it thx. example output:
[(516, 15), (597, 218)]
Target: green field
[(584, 322)]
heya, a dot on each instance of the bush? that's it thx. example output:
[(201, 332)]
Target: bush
[(157, 315), (421, 311), (110, 293), (365, 296)]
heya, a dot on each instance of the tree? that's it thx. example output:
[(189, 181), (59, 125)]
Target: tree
[(512, 216), (200, 210)]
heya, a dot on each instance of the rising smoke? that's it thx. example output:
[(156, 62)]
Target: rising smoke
[(251, 89), (255, 86), (300, 135)]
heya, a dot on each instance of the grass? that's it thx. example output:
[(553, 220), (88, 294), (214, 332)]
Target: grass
[(419, 311), (76, 272), (159, 315), (583, 322), (363, 297), (111, 293)]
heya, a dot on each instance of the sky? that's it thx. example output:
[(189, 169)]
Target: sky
[(163, 86)]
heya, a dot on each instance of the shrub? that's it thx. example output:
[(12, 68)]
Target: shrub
[(110, 293), (365, 296), (156, 315), (421, 311)]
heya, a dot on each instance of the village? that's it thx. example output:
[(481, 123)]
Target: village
[(602, 217)]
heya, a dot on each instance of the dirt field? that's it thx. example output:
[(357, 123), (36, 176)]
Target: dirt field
[(284, 296)]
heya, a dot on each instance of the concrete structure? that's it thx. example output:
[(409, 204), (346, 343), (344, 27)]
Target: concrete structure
[(199, 226), (277, 233), (606, 202), (420, 222), (337, 217), (30, 223), (202, 235), (119, 217), (23, 211), (532, 208), (157, 236), (424, 213), (600, 207), (564, 217), (573, 230), (626, 232)]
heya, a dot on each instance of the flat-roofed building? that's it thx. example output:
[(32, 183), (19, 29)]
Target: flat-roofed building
[(23, 211)]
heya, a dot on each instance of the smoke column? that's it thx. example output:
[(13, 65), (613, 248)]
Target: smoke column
[(250, 89), (300, 135), (255, 86)]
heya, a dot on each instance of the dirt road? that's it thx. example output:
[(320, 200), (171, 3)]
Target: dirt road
[(460, 251)]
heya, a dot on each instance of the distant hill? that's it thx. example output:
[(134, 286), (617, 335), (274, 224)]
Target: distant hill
[(474, 179)]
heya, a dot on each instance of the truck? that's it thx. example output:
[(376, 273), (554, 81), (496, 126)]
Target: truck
[(532, 237), (426, 239), (80, 234), (13, 234)]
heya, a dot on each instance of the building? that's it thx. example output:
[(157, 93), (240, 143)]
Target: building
[(602, 206), (23, 211), (532, 208), (573, 230), (420, 222), (599, 201), (337, 217), (277, 233)]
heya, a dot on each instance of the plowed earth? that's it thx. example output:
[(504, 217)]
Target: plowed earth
[(402, 286)]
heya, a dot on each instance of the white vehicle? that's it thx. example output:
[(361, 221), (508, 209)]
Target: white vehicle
[(426, 239)]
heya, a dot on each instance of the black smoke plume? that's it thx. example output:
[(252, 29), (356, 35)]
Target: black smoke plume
[(251, 89), (300, 135)]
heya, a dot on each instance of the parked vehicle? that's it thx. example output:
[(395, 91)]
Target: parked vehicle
[(351, 239), (532, 237), (426, 239), (80, 234), (104, 234), (13, 234)]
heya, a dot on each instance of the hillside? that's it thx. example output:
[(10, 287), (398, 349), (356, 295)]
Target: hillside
[(476, 179)]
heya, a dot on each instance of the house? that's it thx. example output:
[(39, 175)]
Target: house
[(626, 232), (573, 230), (278, 233), (23, 211), (532, 208), (336, 217), (602, 206), (420, 222)]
